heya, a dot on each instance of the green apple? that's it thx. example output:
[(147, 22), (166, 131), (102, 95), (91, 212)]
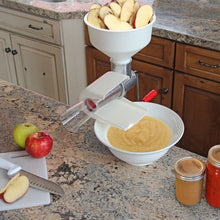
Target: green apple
[(21, 131)]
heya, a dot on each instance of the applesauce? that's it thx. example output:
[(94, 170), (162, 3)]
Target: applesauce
[(189, 173), (149, 134)]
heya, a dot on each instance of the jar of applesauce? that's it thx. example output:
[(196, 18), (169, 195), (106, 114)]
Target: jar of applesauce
[(189, 173), (212, 189)]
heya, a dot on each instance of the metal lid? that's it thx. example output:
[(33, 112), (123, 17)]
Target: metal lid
[(214, 156), (190, 169)]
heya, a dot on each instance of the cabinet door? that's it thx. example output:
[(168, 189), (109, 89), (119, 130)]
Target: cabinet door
[(197, 101), (97, 64), (39, 67), (7, 69), (159, 51), (152, 77)]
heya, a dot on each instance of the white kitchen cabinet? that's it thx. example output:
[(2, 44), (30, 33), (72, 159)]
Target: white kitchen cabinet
[(7, 69), (43, 55), (39, 66)]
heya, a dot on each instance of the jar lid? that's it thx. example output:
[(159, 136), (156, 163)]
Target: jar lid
[(190, 169), (214, 155)]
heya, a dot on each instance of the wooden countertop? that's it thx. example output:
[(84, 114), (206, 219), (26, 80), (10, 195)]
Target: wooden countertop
[(187, 21), (97, 185)]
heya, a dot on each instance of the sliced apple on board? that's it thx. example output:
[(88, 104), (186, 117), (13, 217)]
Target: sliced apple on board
[(127, 10), (116, 8), (93, 18), (15, 188), (114, 23), (143, 16)]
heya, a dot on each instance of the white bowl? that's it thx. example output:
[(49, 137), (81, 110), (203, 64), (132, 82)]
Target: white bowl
[(120, 45), (168, 116)]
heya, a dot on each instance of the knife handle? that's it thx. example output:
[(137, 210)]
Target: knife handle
[(7, 165)]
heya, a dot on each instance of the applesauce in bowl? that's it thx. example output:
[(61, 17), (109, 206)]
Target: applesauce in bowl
[(149, 134), (162, 113)]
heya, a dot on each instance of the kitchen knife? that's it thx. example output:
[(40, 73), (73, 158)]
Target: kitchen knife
[(35, 181)]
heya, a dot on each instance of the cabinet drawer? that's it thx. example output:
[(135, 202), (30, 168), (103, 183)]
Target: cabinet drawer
[(29, 25), (198, 61), (159, 51)]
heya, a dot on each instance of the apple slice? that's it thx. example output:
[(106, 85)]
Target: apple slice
[(93, 18), (116, 8), (143, 16), (136, 7), (104, 10), (15, 188), (127, 10), (94, 6), (114, 23), (121, 2)]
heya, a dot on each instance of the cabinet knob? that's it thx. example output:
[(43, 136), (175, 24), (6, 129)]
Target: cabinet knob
[(14, 52), (7, 50), (164, 91)]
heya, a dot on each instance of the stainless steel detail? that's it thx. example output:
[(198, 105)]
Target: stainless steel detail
[(35, 181), (121, 68), (42, 184)]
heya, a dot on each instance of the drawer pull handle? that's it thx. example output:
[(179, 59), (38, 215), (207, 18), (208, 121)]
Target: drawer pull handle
[(208, 65), (35, 28)]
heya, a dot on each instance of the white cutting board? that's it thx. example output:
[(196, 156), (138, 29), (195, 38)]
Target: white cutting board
[(33, 197)]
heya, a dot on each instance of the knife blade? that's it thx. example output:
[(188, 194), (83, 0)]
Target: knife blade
[(35, 181)]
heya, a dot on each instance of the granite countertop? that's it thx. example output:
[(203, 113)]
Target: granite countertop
[(97, 185), (195, 22)]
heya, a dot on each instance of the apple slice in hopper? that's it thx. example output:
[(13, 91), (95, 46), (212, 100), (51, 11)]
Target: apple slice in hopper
[(116, 8), (121, 2), (103, 11), (93, 18), (143, 16), (114, 23), (94, 6), (136, 7), (127, 10), (15, 188)]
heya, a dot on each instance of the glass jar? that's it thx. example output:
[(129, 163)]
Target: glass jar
[(212, 189), (189, 173)]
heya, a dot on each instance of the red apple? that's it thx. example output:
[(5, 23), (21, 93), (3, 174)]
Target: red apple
[(39, 144)]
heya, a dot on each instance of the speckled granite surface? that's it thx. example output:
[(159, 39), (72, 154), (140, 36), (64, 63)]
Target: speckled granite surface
[(195, 22), (97, 185)]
